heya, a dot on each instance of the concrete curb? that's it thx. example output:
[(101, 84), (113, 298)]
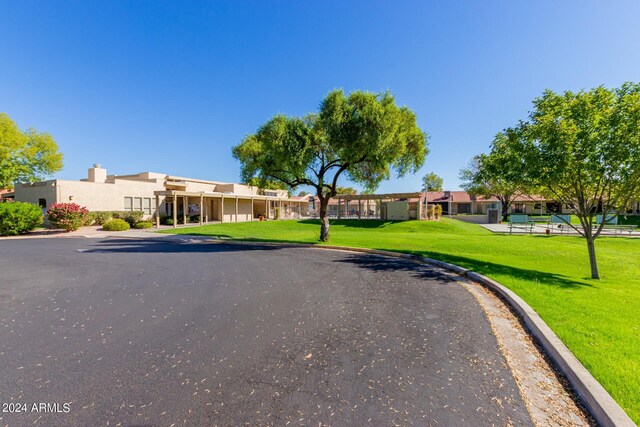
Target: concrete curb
[(597, 400)]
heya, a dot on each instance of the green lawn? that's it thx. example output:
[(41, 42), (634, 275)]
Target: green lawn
[(598, 320)]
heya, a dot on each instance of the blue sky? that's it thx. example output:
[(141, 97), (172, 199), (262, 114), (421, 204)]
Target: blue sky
[(172, 86)]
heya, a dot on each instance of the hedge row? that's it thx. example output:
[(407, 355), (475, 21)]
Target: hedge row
[(19, 218)]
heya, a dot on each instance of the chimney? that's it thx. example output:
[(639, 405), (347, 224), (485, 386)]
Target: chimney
[(97, 174), (447, 194)]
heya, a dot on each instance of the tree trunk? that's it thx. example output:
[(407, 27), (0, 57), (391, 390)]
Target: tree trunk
[(505, 210), (592, 258), (324, 219)]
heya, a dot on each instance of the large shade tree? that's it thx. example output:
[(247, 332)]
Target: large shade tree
[(583, 149), (496, 174), (363, 137), (25, 155)]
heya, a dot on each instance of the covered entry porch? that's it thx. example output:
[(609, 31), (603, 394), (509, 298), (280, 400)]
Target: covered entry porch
[(393, 206), (206, 207)]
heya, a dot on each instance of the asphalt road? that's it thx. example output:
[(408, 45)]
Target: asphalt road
[(149, 332)]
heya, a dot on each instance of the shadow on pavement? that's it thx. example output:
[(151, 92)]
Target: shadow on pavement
[(367, 261), (172, 246)]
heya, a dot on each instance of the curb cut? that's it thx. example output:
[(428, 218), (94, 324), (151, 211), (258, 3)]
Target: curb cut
[(597, 400)]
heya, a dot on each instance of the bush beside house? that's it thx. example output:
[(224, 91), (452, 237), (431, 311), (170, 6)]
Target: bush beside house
[(142, 224), (132, 217), (102, 216), (19, 218), (434, 212), (67, 216), (116, 224)]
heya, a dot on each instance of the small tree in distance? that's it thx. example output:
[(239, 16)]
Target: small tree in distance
[(431, 182), (349, 191), (496, 174), (363, 136)]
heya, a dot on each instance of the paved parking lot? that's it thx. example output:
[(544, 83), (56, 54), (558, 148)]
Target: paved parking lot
[(153, 332)]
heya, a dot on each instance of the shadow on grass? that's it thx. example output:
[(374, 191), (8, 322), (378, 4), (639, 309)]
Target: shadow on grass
[(487, 268), (355, 223)]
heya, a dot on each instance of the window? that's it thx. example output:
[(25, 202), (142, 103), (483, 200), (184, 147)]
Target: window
[(128, 203), (137, 204), (42, 203), (147, 206)]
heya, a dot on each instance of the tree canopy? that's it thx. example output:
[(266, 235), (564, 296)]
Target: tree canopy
[(496, 174), (25, 155), (350, 191), (363, 136), (432, 182), (583, 150)]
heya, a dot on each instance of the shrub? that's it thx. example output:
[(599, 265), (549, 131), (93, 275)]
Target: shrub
[(143, 224), (102, 216), (277, 213), (116, 225), (67, 216), (194, 218), (91, 219), (434, 212), (132, 217), (168, 220), (19, 218), (438, 211)]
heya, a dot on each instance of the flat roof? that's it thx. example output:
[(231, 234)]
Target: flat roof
[(216, 194), (378, 196)]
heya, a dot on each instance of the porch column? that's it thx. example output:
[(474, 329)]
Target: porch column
[(339, 200), (236, 208), (359, 208), (267, 206), (175, 211), (157, 211), (252, 208), (368, 211), (222, 209), (201, 207), (185, 209), (380, 208), (419, 209)]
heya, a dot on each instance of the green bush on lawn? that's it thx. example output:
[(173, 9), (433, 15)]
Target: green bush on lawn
[(116, 225), (19, 218)]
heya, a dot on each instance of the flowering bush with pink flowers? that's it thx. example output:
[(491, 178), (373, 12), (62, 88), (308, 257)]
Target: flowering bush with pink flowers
[(67, 216)]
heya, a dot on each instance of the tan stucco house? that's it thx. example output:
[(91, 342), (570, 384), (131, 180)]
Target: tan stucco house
[(158, 194)]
